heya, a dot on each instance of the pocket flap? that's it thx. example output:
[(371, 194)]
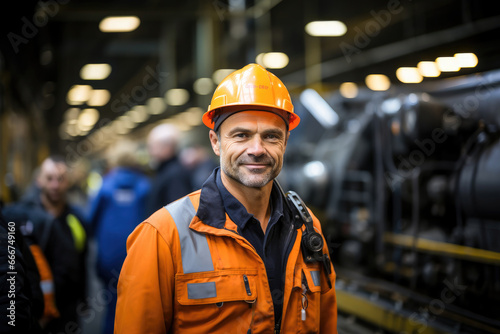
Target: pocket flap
[(216, 286)]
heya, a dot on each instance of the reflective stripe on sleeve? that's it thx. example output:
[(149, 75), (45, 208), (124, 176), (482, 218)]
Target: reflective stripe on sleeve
[(47, 286), (196, 255)]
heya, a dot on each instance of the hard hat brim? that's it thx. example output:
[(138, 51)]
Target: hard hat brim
[(208, 117)]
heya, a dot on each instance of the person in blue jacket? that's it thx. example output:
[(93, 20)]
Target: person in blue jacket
[(118, 207)]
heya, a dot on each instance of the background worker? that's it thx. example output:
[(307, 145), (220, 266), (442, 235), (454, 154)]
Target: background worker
[(231, 257), (115, 211), (171, 179), (58, 228)]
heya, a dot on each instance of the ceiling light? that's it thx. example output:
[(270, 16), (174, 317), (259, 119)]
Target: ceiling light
[(272, 60), (408, 75), (177, 96), (127, 121), (120, 127), (428, 69), (88, 117), (466, 59), (326, 28), (71, 129), (377, 82), (348, 90), (95, 71), (193, 116), (119, 23), (447, 64), (221, 74), (71, 114), (156, 105), (78, 94), (319, 108), (203, 86), (138, 113), (98, 97)]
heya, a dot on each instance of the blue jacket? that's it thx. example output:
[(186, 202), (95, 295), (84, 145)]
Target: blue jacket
[(117, 209)]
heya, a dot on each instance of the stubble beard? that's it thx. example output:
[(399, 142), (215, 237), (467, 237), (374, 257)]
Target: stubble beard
[(252, 178)]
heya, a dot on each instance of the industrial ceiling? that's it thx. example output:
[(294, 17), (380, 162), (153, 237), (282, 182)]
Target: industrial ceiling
[(46, 43)]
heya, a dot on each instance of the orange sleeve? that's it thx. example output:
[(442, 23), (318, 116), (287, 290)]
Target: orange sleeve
[(145, 286)]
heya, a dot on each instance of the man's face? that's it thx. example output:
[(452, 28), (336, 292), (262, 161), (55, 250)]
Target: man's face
[(53, 180), (251, 147)]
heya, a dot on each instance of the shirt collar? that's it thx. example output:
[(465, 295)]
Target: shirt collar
[(239, 214)]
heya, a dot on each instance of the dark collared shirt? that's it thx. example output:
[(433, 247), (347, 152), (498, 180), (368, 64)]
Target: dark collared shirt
[(268, 245)]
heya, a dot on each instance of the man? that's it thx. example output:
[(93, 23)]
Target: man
[(115, 211), (172, 180), (57, 227), (229, 258)]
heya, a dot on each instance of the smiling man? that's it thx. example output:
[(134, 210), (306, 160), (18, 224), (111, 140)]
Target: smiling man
[(232, 257)]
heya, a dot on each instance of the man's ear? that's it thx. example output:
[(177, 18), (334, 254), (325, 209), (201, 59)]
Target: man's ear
[(214, 141)]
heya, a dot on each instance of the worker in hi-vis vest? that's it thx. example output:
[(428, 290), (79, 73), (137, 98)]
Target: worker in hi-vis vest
[(239, 255)]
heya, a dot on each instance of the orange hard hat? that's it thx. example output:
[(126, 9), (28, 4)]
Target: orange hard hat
[(251, 88)]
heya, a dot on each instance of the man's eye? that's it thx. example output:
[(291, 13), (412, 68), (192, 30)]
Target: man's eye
[(272, 137), (241, 135)]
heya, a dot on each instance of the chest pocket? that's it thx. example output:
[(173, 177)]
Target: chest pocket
[(204, 295), (216, 287)]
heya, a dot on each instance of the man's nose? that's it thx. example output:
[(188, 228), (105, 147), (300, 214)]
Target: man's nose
[(256, 146)]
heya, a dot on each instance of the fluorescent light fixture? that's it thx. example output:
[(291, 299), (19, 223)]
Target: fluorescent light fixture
[(221, 74), (203, 86), (177, 96), (127, 121), (319, 108), (119, 23), (156, 105), (447, 64), (409, 75), (138, 114), (71, 114), (120, 127), (466, 60), (326, 28), (193, 116), (78, 94), (428, 69), (348, 90), (95, 71), (275, 60), (87, 119), (378, 82), (98, 97), (71, 129)]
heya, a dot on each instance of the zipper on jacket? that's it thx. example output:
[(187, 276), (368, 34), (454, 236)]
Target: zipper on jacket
[(277, 327), (304, 301), (247, 285)]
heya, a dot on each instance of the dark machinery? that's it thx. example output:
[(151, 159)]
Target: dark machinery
[(407, 186)]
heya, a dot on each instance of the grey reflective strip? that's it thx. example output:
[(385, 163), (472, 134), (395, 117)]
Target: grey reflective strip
[(194, 245), (47, 286), (201, 290), (315, 275)]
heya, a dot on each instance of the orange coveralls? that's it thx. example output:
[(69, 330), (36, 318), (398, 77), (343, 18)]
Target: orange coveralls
[(184, 276)]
